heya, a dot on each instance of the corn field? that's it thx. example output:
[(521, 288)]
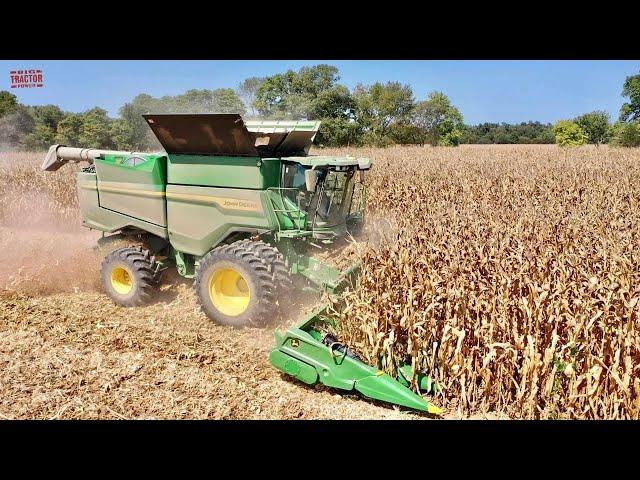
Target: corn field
[(509, 273)]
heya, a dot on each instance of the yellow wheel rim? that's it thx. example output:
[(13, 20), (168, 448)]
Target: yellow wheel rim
[(229, 292), (121, 280)]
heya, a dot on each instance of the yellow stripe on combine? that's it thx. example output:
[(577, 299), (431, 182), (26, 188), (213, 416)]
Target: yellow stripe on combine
[(121, 187), (132, 191), (224, 202)]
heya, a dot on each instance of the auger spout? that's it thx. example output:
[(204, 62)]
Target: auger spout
[(58, 155)]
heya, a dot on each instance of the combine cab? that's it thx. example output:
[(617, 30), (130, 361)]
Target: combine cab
[(240, 208)]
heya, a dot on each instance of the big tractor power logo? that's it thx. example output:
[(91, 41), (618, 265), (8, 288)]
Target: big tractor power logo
[(26, 78)]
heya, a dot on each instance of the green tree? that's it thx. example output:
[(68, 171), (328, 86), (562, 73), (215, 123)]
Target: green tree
[(625, 134), (451, 138), (274, 95), (379, 106), (523, 133), (95, 129), (8, 103), (545, 135), (90, 129), (438, 121), (15, 126), (221, 100), (247, 91), (405, 134), (49, 115), (41, 137), (296, 94), (333, 102), (630, 110), (335, 132), (569, 134), (596, 126), (227, 101), (135, 132), (46, 120), (122, 135), (69, 130)]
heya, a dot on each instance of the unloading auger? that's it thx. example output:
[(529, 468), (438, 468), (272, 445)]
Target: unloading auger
[(239, 207)]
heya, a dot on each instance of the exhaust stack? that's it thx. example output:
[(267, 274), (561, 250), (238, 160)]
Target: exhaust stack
[(58, 155)]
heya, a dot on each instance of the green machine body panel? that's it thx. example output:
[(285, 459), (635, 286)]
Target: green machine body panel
[(223, 171), (99, 202), (133, 186), (87, 185), (201, 217), (142, 168)]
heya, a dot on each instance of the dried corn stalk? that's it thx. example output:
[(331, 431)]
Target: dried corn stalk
[(522, 265)]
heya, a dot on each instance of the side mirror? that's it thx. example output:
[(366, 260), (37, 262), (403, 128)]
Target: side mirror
[(311, 179)]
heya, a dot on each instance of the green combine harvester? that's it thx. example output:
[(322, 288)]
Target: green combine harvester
[(240, 207)]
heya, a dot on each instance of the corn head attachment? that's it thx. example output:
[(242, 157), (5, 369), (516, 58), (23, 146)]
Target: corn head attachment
[(309, 355)]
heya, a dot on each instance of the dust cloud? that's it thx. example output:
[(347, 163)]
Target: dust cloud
[(43, 248), (378, 228)]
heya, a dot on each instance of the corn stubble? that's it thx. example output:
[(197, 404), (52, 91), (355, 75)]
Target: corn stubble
[(511, 275)]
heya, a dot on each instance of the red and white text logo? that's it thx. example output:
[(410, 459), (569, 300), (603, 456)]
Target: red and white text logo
[(26, 78)]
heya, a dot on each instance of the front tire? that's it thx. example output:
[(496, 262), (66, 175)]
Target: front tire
[(275, 263), (234, 287)]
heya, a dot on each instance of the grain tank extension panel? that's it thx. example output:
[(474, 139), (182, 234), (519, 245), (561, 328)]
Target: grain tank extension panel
[(227, 134)]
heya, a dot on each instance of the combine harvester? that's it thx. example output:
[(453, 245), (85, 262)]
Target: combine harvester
[(239, 207)]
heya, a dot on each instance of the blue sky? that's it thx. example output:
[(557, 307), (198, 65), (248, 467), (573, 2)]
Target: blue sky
[(485, 91)]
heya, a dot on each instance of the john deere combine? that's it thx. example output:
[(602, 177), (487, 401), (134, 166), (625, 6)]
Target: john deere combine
[(239, 207)]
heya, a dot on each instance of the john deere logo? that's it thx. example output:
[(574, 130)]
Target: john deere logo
[(240, 204)]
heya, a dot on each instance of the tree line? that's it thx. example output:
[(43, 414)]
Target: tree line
[(379, 114), (499, 133), (596, 127)]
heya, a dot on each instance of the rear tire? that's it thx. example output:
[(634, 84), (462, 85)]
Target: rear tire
[(129, 276), (234, 286)]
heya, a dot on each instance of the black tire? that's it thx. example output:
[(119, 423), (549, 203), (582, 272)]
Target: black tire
[(134, 287), (275, 263), (256, 286)]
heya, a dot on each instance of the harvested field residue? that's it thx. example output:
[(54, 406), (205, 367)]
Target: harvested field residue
[(80, 356)]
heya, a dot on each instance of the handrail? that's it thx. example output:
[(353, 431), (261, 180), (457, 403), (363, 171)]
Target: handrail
[(288, 211)]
